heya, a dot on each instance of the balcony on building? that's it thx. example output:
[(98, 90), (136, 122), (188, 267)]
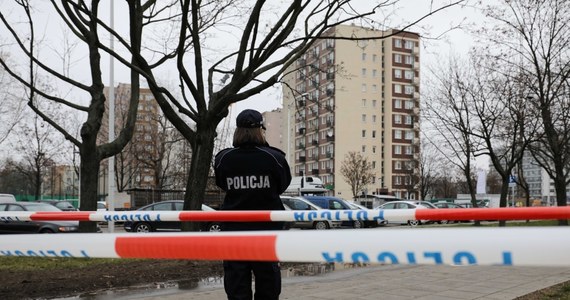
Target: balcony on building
[(315, 142), (302, 158), (329, 170), (329, 154), (301, 146), (302, 130), (315, 172)]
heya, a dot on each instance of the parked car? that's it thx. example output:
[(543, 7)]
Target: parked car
[(430, 205), (334, 203), (298, 203), (425, 203), (480, 204), (447, 205), (401, 205), (5, 198), (35, 226), (101, 206), (365, 224), (172, 205), (61, 204)]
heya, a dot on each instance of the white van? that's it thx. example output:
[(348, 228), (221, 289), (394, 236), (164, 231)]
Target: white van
[(7, 198), (303, 185)]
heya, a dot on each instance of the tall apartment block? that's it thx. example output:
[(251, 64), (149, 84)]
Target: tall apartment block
[(360, 96), (135, 168)]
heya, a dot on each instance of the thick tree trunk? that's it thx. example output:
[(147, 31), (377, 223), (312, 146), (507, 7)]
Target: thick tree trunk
[(89, 178), (202, 153), (560, 186), (503, 199)]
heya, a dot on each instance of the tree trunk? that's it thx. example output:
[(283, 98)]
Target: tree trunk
[(202, 152), (560, 187), (503, 199), (89, 178)]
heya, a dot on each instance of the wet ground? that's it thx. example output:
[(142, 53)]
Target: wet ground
[(157, 289)]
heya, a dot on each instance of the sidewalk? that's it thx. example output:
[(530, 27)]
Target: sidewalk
[(394, 282)]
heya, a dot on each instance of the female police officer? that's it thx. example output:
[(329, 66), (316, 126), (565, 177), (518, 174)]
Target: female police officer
[(253, 174)]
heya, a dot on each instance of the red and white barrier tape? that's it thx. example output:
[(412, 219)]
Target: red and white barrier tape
[(521, 246), (390, 215)]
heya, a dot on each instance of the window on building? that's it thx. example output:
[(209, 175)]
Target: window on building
[(363, 88), (363, 133), (409, 135), (408, 120), (408, 44), (397, 88), (373, 149), (397, 134), (363, 72), (398, 43), (374, 88), (408, 150), (373, 103), (363, 102), (398, 58), (363, 148), (363, 56), (373, 133), (374, 57), (374, 73), (364, 118), (397, 103), (409, 89), (409, 59), (397, 149), (397, 180), (409, 74), (373, 118), (397, 73), (409, 104), (397, 119), (398, 165)]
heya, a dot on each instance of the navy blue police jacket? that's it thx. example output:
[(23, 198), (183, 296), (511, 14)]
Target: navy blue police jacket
[(253, 177)]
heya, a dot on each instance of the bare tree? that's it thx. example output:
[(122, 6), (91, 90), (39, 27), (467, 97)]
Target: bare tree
[(505, 127), (357, 171), (448, 111), (428, 170), (445, 186), (85, 24), (37, 146), (539, 34), (12, 104)]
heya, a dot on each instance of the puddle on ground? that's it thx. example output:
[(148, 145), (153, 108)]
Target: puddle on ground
[(171, 287)]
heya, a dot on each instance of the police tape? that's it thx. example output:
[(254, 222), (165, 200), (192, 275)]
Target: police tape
[(520, 246), (389, 215)]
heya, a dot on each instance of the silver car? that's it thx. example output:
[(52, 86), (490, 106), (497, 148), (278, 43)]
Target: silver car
[(296, 203)]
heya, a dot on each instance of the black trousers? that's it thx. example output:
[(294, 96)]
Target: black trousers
[(238, 279)]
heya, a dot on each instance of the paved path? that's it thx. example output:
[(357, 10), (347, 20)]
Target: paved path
[(395, 282)]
